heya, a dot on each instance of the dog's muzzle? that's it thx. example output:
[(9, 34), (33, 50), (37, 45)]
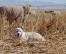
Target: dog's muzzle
[(18, 34)]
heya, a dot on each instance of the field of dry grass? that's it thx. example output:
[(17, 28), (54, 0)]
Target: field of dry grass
[(53, 28)]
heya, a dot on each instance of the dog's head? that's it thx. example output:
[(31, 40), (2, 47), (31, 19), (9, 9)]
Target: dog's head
[(17, 33)]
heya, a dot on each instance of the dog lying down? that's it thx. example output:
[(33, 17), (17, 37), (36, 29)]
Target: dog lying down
[(26, 36)]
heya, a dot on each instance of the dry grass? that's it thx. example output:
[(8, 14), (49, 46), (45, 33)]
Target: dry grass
[(53, 28)]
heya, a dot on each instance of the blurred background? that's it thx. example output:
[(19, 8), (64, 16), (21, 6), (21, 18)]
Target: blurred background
[(55, 4)]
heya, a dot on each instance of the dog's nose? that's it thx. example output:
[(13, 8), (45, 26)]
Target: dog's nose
[(18, 34)]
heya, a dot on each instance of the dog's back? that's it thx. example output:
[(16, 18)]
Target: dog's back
[(33, 36)]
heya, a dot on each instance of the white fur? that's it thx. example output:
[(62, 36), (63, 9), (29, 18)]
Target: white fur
[(26, 36)]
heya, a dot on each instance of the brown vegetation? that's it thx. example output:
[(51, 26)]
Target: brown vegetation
[(53, 28)]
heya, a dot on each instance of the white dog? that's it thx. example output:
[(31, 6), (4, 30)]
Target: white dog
[(26, 36)]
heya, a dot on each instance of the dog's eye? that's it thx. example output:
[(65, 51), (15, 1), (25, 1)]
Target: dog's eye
[(16, 31)]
